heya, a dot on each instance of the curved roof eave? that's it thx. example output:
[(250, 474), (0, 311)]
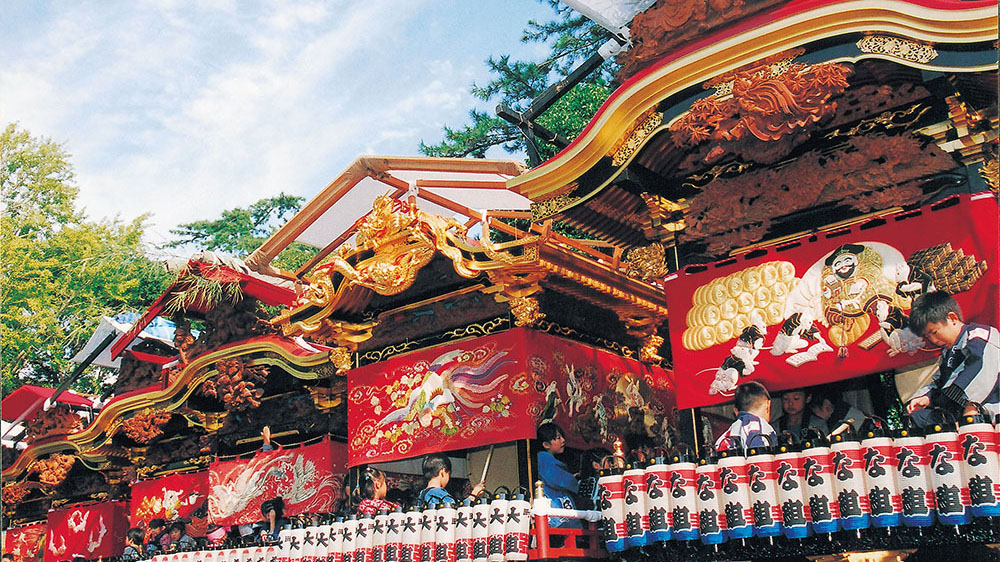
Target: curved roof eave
[(770, 33)]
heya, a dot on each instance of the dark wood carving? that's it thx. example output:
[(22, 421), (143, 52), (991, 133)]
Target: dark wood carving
[(671, 23), (870, 173), (768, 113)]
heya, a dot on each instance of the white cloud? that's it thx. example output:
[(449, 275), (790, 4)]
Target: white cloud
[(185, 108)]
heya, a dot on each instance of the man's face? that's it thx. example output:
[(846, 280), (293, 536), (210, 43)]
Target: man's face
[(943, 334), (844, 265), (793, 402)]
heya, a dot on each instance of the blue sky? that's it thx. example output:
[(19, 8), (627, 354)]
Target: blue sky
[(184, 108)]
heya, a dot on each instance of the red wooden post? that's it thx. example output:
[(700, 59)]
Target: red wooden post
[(542, 536)]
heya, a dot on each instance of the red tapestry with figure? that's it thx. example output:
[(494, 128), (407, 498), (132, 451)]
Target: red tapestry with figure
[(178, 496), (443, 398), (496, 389), (90, 531), (25, 543), (303, 477), (831, 306), (597, 396)]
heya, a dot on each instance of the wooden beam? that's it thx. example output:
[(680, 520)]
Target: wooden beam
[(262, 256), (462, 184), (447, 203), (376, 167)]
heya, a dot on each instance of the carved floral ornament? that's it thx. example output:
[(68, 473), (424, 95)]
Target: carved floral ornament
[(54, 469), (58, 420), (990, 172), (146, 425), (769, 101), (635, 136), (897, 47), (236, 384), (871, 173), (15, 493), (647, 262), (404, 240)]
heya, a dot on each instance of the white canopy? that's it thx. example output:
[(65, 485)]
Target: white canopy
[(160, 329)]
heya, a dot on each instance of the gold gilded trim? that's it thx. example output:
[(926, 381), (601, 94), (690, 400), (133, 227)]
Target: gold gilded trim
[(86, 443), (553, 328), (990, 172), (526, 310), (889, 120), (898, 48), (552, 206), (650, 350), (647, 262), (641, 130), (395, 241)]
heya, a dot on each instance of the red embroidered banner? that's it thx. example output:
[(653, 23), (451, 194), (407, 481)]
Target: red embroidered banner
[(25, 544), (178, 496), (597, 396), (446, 397), (90, 531), (302, 477), (832, 306), (497, 389)]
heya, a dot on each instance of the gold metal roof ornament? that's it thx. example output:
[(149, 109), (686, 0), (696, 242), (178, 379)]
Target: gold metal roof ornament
[(394, 242)]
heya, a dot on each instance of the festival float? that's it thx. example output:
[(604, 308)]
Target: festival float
[(761, 199)]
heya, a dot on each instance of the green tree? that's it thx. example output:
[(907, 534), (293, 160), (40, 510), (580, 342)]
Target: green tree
[(239, 231), (571, 38), (59, 273)]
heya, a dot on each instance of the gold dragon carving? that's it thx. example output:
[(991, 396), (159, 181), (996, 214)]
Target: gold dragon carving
[(403, 240), (393, 242)]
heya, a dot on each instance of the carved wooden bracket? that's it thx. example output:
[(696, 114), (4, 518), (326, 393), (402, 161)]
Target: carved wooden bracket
[(518, 290), (645, 329)]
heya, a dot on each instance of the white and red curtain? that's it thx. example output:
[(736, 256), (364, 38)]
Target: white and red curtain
[(177, 496), (711, 305), (25, 543), (91, 531), (304, 477), (496, 389)]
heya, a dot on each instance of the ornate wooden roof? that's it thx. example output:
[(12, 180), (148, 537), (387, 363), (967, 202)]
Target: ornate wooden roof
[(776, 122), (345, 298)]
